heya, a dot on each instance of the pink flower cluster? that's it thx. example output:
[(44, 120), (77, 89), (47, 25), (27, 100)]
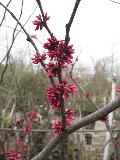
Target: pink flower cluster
[(33, 115), (52, 69), (53, 93), (57, 127), (70, 116), (69, 89), (58, 51), (39, 22), (53, 96), (57, 124), (27, 127), (12, 155), (38, 58)]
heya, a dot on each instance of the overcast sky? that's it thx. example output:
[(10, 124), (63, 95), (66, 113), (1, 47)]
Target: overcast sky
[(95, 31)]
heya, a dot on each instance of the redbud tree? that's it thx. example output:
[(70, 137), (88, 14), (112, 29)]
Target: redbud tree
[(57, 57)]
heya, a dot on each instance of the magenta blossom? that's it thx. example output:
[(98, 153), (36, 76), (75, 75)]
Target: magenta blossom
[(57, 127), (52, 69), (65, 53), (53, 95), (27, 127), (58, 51), (69, 89), (33, 115), (70, 116), (52, 44), (38, 58), (39, 23)]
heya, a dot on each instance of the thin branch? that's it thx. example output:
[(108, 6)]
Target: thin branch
[(5, 13), (68, 25), (33, 44), (114, 1), (19, 31), (8, 52)]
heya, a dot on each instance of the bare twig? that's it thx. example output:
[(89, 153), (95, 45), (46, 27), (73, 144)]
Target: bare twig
[(8, 52), (33, 44), (114, 1), (5, 13), (19, 31), (68, 25)]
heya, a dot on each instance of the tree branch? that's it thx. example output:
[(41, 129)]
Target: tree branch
[(98, 115)]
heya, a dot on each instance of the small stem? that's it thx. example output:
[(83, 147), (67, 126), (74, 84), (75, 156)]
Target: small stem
[(68, 25)]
